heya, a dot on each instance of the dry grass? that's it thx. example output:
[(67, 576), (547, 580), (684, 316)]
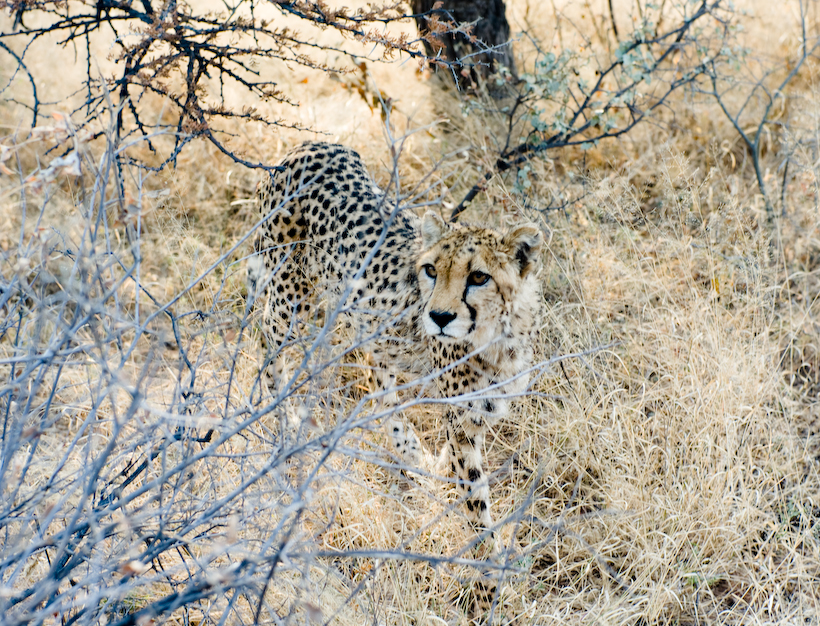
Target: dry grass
[(682, 458)]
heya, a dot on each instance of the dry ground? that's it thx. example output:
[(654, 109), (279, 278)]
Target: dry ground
[(669, 475)]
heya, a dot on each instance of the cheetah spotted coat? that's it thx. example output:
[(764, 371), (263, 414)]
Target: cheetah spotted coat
[(428, 297)]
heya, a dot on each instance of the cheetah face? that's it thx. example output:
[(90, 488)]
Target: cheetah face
[(471, 279)]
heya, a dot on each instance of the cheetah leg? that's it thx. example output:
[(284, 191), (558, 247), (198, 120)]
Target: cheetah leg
[(272, 274), (259, 295), (404, 442), (463, 453)]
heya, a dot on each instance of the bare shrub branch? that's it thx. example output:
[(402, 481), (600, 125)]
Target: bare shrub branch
[(554, 107), (762, 84), (189, 58)]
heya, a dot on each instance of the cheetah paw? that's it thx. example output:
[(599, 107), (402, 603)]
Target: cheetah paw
[(404, 442)]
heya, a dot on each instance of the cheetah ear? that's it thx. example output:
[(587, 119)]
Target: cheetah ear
[(524, 245), (433, 229)]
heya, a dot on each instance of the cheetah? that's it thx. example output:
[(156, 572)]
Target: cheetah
[(455, 303)]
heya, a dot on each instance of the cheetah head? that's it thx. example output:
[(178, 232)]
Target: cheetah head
[(477, 285)]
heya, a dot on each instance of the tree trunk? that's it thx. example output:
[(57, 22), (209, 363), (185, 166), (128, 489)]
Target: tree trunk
[(476, 57)]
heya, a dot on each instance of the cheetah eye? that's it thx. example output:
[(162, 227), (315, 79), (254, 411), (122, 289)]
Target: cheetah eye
[(430, 270), (477, 278)]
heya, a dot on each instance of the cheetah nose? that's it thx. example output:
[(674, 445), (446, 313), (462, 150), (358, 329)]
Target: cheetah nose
[(441, 318)]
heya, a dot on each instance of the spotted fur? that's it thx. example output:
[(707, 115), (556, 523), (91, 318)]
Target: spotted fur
[(434, 297)]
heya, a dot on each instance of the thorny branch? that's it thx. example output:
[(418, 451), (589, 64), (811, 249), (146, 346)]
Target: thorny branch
[(187, 57)]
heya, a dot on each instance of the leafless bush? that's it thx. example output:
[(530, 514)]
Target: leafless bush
[(189, 58), (571, 99), (145, 471), (137, 484), (765, 115)]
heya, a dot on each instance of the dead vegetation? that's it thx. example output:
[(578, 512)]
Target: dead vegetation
[(665, 473)]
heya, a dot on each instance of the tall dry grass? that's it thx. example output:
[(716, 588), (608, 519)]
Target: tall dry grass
[(669, 474)]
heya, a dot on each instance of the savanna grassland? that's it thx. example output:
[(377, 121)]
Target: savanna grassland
[(664, 469)]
